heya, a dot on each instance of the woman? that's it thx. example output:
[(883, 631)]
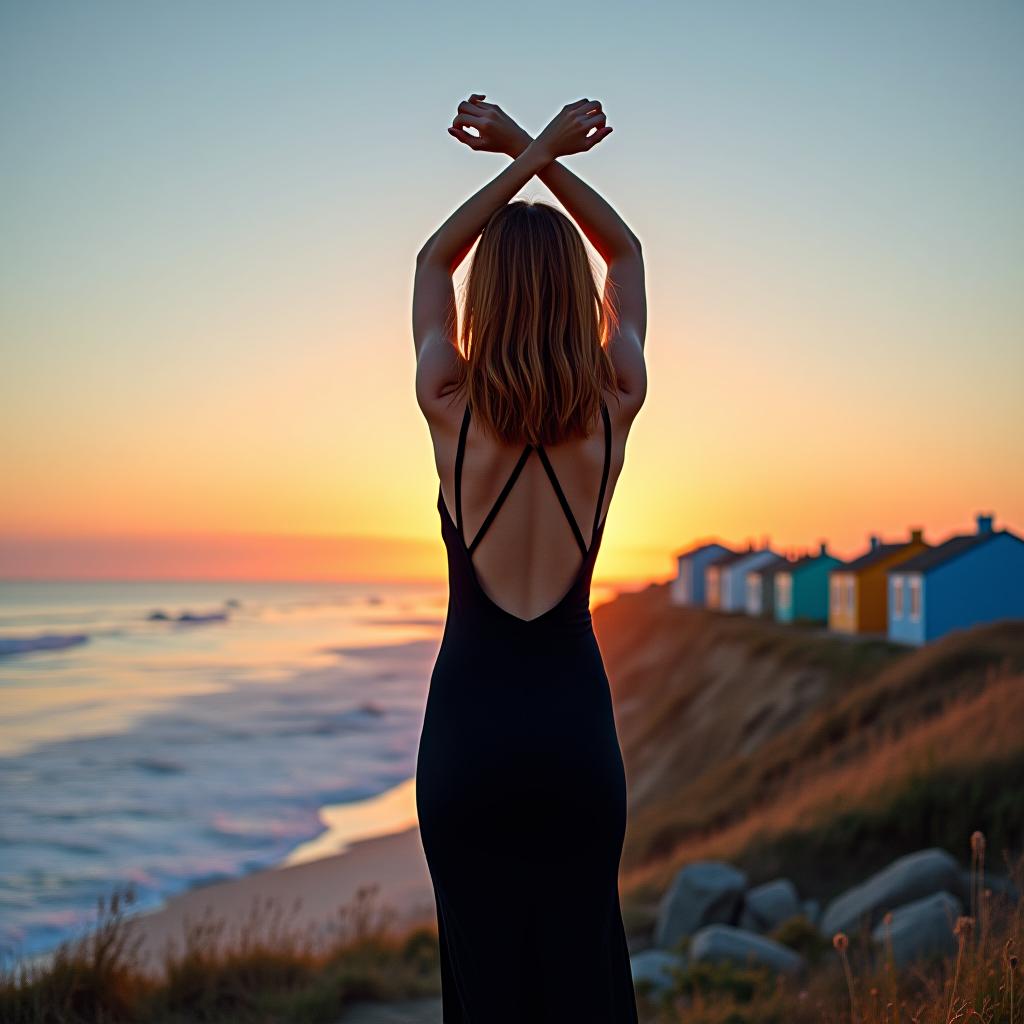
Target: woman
[(519, 783)]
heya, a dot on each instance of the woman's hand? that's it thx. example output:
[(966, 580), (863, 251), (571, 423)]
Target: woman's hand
[(499, 133), (569, 130)]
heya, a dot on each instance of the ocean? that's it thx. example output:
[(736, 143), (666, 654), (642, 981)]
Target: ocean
[(165, 734)]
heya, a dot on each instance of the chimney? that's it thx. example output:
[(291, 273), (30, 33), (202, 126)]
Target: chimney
[(984, 523), (873, 539), (822, 549), (916, 536)]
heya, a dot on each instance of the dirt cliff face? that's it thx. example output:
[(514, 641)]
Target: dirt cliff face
[(695, 688), (739, 733)]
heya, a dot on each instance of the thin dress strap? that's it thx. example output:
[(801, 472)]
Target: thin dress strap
[(550, 470), (514, 476), (505, 491), (460, 454)]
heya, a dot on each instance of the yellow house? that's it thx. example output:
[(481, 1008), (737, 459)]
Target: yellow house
[(858, 591)]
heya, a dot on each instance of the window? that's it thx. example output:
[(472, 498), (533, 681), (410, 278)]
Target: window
[(897, 598), (783, 589), (915, 598), (837, 593), (850, 587)]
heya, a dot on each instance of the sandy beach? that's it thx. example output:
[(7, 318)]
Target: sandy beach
[(306, 896)]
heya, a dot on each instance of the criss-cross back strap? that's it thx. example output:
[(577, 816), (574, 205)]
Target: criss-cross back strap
[(460, 455), (514, 475), (505, 491), (562, 500), (550, 470)]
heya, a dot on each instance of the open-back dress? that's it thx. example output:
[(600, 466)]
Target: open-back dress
[(521, 794)]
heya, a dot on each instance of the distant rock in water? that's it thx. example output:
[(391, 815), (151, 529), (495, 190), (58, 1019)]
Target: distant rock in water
[(41, 642), (371, 708), (208, 617), (187, 617), (232, 602)]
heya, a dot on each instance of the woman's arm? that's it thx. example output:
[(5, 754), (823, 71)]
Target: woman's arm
[(605, 229), (433, 303), (448, 245), (617, 245)]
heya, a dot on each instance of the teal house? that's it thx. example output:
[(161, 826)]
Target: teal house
[(801, 588)]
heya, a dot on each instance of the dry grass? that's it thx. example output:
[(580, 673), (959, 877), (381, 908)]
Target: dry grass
[(271, 974), (973, 729)]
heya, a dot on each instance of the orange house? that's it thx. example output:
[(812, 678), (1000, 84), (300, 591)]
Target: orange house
[(858, 597)]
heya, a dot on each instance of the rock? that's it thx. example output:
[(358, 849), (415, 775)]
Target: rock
[(922, 928), (766, 906), (415, 1011), (721, 943), (706, 892), (812, 911), (654, 967), (910, 878)]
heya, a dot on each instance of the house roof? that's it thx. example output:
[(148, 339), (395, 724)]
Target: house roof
[(949, 549), (727, 559), (772, 567), (699, 546), (805, 560), (879, 554)]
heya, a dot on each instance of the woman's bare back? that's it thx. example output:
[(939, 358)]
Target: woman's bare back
[(529, 554)]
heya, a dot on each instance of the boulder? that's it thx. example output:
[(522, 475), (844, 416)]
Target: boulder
[(766, 906), (706, 892), (811, 909), (922, 928), (910, 878), (654, 968), (721, 943)]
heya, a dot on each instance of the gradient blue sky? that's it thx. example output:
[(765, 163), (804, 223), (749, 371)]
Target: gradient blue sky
[(210, 213)]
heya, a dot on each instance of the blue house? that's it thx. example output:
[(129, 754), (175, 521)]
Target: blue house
[(801, 588), (969, 578), (688, 586)]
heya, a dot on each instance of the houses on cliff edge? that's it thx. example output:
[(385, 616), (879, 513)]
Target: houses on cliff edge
[(907, 590)]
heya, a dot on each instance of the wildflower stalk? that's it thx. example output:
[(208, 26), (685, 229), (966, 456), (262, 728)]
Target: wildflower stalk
[(962, 931), (841, 943)]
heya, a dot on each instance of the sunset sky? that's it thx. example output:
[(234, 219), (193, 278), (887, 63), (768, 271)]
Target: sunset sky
[(210, 214)]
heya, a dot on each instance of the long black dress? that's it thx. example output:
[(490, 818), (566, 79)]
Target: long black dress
[(521, 796)]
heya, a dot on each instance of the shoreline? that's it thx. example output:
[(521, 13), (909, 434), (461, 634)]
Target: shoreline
[(370, 843)]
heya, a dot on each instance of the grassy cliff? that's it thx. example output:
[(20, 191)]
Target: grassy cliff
[(789, 750)]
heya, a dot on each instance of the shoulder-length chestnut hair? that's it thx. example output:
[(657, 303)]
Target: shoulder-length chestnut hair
[(534, 329)]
